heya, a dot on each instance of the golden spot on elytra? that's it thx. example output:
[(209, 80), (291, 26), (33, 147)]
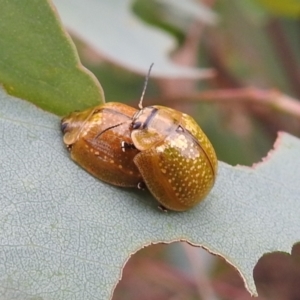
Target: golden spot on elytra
[(160, 148), (179, 142)]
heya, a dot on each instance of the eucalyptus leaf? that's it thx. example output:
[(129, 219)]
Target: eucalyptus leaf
[(115, 32), (38, 61), (66, 235), (189, 9)]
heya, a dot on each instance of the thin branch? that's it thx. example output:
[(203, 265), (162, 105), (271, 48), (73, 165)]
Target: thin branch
[(273, 99)]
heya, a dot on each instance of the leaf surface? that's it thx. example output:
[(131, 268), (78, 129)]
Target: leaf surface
[(66, 235)]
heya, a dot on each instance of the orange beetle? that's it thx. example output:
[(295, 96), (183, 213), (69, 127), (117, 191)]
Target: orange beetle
[(94, 138), (161, 147)]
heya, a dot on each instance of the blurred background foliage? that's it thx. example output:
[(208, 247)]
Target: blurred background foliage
[(255, 43), (251, 45)]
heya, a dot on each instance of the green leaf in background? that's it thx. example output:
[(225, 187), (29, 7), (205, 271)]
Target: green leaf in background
[(254, 61), (174, 16), (287, 8), (116, 33), (38, 61), (66, 235)]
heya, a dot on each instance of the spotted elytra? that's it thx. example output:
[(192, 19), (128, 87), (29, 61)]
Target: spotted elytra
[(156, 146)]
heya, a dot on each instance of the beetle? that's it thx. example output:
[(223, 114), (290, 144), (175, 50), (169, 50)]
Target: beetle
[(94, 139), (158, 146)]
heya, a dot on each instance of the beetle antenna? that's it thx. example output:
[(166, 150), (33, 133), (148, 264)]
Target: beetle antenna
[(106, 129), (145, 86)]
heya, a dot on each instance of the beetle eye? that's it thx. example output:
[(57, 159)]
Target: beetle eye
[(136, 125), (64, 126)]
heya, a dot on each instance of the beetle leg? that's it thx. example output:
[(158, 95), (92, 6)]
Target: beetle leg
[(162, 208), (125, 145), (141, 185)]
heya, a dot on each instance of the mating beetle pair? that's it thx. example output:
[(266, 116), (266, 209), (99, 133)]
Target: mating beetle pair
[(157, 146)]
